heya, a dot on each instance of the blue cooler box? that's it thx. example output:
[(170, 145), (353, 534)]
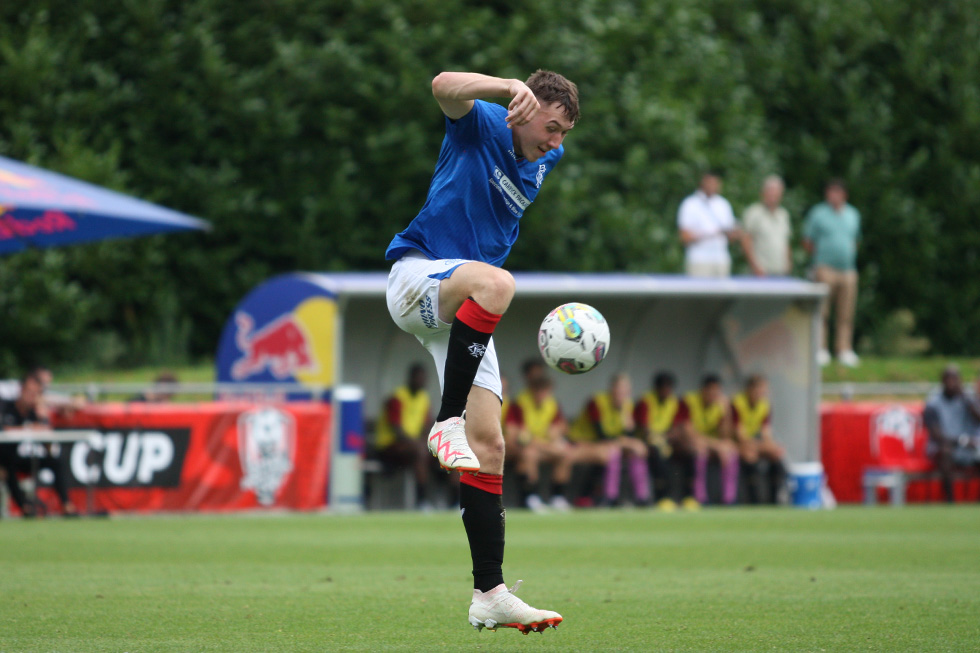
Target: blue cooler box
[(806, 484)]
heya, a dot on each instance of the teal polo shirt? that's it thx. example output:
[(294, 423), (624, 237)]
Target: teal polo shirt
[(834, 235)]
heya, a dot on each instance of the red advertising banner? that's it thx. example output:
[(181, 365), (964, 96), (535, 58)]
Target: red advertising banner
[(856, 435), (218, 456)]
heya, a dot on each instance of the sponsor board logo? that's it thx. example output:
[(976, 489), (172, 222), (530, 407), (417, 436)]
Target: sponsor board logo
[(134, 458), (894, 422), (266, 447)]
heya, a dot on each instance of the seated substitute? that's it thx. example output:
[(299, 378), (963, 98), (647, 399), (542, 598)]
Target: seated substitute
[(530, 369), (703, 431), (654, 416), (26, 412), (539, 427), (951, 418), (751, 416), (604, 433), (399, 440)]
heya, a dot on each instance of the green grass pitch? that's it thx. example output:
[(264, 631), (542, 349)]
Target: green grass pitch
[(629, 580)]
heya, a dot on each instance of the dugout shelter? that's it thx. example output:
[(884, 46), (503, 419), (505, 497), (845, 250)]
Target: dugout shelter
[(325, 330)]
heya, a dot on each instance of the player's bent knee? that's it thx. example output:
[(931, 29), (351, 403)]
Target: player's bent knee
[(495, 290)]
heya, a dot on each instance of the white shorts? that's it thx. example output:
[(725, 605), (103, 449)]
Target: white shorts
[(413, 302)]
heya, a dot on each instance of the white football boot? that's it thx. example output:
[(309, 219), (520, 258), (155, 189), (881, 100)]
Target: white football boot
[(499, 608), (447, 442)]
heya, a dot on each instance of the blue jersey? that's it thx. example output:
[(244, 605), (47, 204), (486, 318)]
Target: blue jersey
[(478, 193)]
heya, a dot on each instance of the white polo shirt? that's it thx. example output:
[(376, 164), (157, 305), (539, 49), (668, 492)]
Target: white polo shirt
[(701, 214)]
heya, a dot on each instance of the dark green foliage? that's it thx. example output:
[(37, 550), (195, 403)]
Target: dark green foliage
[(306, 133)]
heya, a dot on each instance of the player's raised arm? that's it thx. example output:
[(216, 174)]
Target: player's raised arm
[(455, 93)]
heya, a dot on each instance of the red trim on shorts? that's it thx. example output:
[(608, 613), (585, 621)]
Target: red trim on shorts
[(492, 483), (476, 317)]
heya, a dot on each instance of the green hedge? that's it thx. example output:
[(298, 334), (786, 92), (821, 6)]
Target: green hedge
[(306, 132)]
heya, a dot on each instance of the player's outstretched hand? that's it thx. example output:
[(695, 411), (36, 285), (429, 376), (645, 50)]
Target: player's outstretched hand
[(522, 108)]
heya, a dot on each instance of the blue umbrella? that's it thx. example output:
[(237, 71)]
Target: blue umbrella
[(39, 208)]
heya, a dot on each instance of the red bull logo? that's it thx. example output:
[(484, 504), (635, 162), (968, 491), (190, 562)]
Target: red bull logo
[(49, 222), (284, 331), (283, 347)]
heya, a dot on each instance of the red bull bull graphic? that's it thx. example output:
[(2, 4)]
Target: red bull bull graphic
[(282, 347), (49, 222), (282, 332)]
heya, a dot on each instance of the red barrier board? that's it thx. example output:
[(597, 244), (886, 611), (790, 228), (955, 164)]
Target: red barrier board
[(219, 456), (857, 435)]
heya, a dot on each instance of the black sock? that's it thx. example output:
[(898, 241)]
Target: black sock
[(527, 489), (558, 490), (483, 519), (467, 345)]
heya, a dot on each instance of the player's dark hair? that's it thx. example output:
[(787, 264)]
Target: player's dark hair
[(31, 375), (664, 380), (753, 381), (551, 88), (542, 382), (531, 364), (710, 379)]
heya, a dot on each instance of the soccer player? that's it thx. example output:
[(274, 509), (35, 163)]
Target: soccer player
[(704, 431), (751, 415), (400, 440), (447, 288), (536, 423), (604, 431), (654, 416)]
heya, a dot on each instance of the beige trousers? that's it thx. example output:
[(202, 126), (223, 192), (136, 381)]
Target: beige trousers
[(708, 270), (843, 297)]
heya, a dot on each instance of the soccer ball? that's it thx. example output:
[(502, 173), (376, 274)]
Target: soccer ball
[(574, 338)]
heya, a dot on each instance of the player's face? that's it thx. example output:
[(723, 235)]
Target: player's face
[(711, 394), (30, 392), (621, 391), (544, 133), (759, 391), (835, 196)]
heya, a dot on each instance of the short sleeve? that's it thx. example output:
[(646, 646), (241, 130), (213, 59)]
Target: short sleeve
[(472, 128), (515, 415), (726, 214), (640, 414), (683, 413), (686, 216), (809, 226)]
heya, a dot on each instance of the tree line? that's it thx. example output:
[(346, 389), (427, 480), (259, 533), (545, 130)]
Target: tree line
[(305, 131)]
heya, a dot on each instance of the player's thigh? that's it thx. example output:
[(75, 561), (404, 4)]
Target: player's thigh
[(591, 453), (489, 286), (749, 450)]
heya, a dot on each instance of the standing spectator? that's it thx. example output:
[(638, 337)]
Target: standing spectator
[(654, 416), (952, 419), (539, 428), (606, 427), (704, 432), (831, 235), (27, 412), (706, 224), (406, 417), (767, 225), (752, 421)]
